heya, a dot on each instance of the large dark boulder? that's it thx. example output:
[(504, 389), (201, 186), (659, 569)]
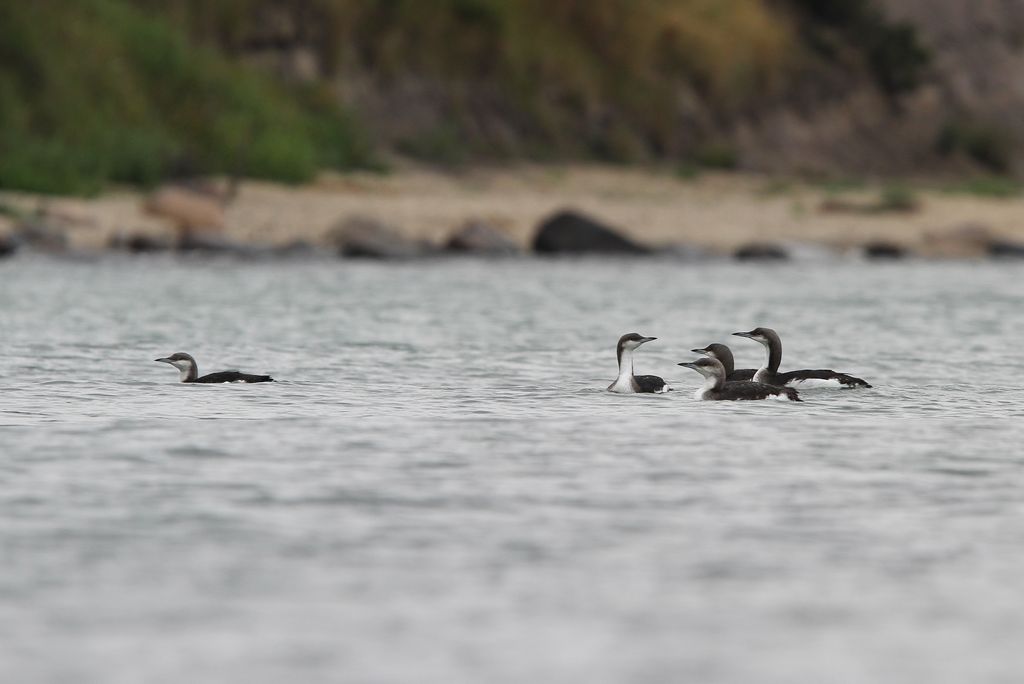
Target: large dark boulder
[(570, 232), (477, 237), (8, 246), (882, 249), (140, 243), (1005, 249), (761, 251)]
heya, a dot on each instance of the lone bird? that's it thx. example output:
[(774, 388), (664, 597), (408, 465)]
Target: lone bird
[(189, 370), (770, 374), (716, 388)]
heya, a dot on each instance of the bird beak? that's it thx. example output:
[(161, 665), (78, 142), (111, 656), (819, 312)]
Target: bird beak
[(649, 339), (687, 364), (698, 351), (162, 360), (746, 334)]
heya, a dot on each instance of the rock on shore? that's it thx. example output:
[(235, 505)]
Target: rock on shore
[(478, 237), (8, 245), (367, 238), (571, 232)]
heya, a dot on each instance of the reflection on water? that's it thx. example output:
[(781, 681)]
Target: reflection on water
[(439, 489)]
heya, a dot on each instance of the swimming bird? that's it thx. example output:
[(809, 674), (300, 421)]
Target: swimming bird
[(716, 388), (190, 371), (769, 373), (627, 383), (724, 354)]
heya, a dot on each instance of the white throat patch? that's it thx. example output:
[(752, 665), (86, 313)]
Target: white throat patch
[(624, 382), (183, 368)]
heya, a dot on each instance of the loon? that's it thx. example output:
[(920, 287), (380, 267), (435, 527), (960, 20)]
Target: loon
[(769, 373), (627, 383), (724, 354), (190, 371), (717, 389)]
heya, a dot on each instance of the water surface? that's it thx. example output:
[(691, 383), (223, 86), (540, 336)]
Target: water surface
[(439, 490)]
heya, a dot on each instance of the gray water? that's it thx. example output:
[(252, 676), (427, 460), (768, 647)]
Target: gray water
[(438, 489)]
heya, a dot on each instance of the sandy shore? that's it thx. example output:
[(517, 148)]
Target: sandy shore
[(717, 211)]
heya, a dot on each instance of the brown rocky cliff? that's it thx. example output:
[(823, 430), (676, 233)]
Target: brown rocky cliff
[(964, 114), (966, 110), (978, 58)]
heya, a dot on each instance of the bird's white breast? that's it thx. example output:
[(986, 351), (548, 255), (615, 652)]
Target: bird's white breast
[(623, 385)]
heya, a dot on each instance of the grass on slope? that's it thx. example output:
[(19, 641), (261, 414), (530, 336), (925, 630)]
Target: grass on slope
[(592, 77), (97, 91)]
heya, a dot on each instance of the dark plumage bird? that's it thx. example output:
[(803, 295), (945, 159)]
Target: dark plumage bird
[(627, 383), (769, 373), (717, 389), (190, 371), (724, 354)]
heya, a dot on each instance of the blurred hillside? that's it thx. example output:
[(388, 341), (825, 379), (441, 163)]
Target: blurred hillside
[(138, 90), (94, 91)]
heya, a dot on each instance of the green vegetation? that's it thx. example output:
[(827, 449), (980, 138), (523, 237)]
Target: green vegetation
[(852, 195), (439, 145), (897, 198), (776, 187), (687, 171), (1000, 187), (717, 155), (8, 211), (838, 186), (96, 91), (135, 91), (894, 54), (708, 156), (544, 78), (988, 146)]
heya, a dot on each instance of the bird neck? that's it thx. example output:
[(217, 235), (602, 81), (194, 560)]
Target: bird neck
[(726, 359), (774, 359), (625, 364), (188, 370)]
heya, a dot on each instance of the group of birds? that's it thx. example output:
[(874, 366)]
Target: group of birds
[(722, 381)]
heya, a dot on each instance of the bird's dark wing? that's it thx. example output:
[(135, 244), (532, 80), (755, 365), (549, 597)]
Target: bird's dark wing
[(801, 375), (233, 376), (650, 383), (739, 391), (741, 374)]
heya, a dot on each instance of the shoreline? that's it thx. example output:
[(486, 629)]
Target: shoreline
[(715, 212)]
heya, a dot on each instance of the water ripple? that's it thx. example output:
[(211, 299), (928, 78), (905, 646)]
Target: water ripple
[(439, 483)]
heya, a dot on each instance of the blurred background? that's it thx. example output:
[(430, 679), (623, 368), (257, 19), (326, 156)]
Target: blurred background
[(136, 91), (904, 96)]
